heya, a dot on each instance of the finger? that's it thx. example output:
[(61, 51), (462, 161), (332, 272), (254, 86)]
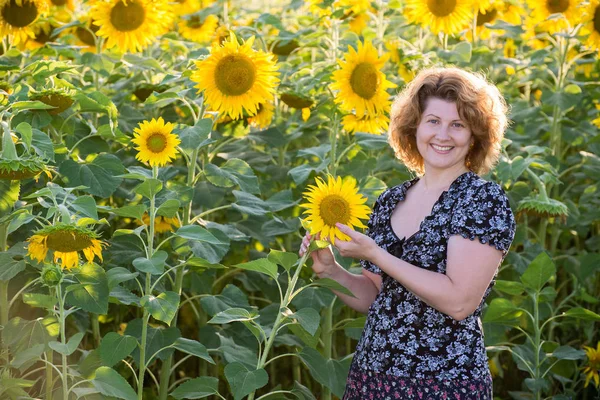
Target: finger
[(345, 229)]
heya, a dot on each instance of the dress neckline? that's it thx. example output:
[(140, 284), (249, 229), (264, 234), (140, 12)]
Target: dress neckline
[(401, 195)]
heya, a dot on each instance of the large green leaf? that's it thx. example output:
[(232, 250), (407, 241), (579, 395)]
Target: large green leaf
[(197, 388), (568, 353), (283, 258), (150, 187), (330, 373), (69, 347), (9, 267), (262, 265), (244, 381), (20, 334), (86, 205), (100, 176), (154, 266), (168, 208), (233, 315), (110, 383), (249, 204), (582, 313), (309, 318), (333, 285), (194, 348), (162, 307), (502, 311), (539, 272), (118, 275), (90, 292), (115, 348), (196, 232), (233, 172), (197, 136), (156, 339)]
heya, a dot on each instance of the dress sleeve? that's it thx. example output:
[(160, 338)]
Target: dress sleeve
[(373, 227), (487, 216)]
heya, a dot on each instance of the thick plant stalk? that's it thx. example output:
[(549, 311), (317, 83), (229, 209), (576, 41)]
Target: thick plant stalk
[(63, 339), (326, 337), (143, 356), (48, 383)]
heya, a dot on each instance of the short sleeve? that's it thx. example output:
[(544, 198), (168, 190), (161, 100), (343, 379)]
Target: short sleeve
[(486, 216), (373, 228)]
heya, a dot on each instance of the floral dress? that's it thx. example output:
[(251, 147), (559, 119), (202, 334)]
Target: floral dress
[(408, 349)]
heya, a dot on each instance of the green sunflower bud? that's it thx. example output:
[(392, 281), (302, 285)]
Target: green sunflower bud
[(51, 275)]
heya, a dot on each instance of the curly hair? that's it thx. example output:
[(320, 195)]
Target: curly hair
[(479, 104)]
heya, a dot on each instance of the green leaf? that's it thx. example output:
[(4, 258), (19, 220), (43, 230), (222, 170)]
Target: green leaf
[(196, 232), (244, 381), (261, 265), (27, 355), (162, 307), (30, 105), (100, 176), (118, 275), (40, 300), (156, 339), (135, 211), (20, 334), (42, 145), (86, 205), (197, 388), (232, 315), (582, 313), (233, 172), (91, 293), (150, 187), (115, 348), (110, 383), (539, 272), (168, 208), (568, 353), (9, 267), (247, 203), (197, 136), (329, 373), (154, 266), (68, 348), (509, 287), (333, 285), (194, 348), (283, 258), (502, 311), (9, 194), (309, 318)]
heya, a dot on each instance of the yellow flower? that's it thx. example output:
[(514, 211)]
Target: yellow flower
[(542, 9), (375, 124), (497, 10), (162, 224), (156, 144), (65, 240), (183, 7), (510, 49), (235, 78), (360, 83), (592, 25), (332, 202), (510, 70), (447, 16), (592, 369), (305, 114), (130, 25), (17, 18), (359, 22), (262, 119), (192, 28)]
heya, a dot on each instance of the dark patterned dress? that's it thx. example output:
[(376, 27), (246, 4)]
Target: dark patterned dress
[(408, 349)]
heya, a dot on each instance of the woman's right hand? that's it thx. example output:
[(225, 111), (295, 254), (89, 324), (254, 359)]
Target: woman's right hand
[(323, 259)]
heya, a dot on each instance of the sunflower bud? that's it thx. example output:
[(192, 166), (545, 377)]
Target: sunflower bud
[(51, 275)]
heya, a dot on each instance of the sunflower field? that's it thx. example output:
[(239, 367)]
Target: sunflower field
[(161, 161)]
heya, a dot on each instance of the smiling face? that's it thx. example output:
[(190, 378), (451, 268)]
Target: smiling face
[(443, 138)]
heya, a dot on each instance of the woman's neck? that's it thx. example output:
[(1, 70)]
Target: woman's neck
[(439, 181)]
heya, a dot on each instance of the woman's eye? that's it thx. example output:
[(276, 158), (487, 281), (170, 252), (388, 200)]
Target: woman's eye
[(433, 120), (458, 125)]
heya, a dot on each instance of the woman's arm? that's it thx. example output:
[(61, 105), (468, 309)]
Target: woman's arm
[(470, 268)]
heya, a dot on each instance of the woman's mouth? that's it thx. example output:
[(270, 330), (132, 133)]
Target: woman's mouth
[(442, 149)]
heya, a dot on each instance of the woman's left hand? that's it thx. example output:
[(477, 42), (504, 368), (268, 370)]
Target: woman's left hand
[(359, 246)]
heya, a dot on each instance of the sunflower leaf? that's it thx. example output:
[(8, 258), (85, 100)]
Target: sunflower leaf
[(197, 388), (162, 307), (90, 290), (148, 188), (261, 265), (154, 265)]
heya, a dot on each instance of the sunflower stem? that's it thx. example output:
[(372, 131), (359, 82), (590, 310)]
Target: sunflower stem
[(63, 339), (143, 355), (333, 141), (474, 27), (327, 338), (4, 306)]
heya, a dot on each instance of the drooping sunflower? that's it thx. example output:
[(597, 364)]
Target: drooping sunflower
[(23, 168), (17, 18), (360, 83), (193, 28), (235, 77), (592, 369), (592, 25), (375, 124), (262, 119), (569, 11), (446, 16), (59, 98), (332, 202), (130, 25), (162, 224), (65, 240), (156, 144)]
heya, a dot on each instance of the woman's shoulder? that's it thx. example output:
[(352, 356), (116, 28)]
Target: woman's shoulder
[(475, 187), (393, 193)]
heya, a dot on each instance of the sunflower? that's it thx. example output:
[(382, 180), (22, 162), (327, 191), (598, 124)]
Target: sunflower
[(375, 124), (496, 11), (235, 78), (18, 16), (156, 143), (193, 28), (161, 224), (305, 114), (446, 16), (592, 25), (130, 25), (61, 99), (362, 86), (332, 202), (42, 34), (65, 240), (592, 370), (262, 119), (62, 10), (23, 168), (542, 9), (183, 7)]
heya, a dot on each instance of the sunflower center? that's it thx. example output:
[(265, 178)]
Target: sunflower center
[(364, 80), (441, 8), (59, 2), (68, 241), (85, 36), (488, 17), (156, 142), (334, 209), (128, 16), (235, 75), (194, 22), (19, 16), (597, 19), (557, 6)]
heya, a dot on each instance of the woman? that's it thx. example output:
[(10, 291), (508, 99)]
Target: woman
[(425, 278)]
